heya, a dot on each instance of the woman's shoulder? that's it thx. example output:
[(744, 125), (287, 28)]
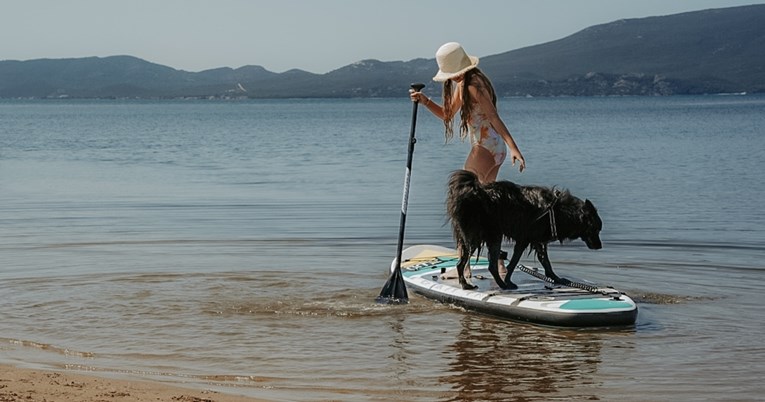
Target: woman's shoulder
[(478, 92), (478, 84)]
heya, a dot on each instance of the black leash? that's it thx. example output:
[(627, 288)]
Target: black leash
[(592, 289)]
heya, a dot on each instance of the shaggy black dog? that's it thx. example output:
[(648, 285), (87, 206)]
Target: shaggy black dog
[(532, 216)]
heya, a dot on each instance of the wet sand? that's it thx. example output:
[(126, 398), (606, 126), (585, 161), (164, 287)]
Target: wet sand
[(17, 384)]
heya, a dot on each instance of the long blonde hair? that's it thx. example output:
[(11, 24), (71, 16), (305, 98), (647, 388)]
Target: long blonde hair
[(474, 77)]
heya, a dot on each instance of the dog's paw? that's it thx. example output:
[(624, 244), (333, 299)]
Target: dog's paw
[(468, 286), (509, 286), (561, 281)]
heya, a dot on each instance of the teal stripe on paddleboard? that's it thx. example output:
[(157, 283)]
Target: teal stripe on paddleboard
[(440, 262), (594, 304)]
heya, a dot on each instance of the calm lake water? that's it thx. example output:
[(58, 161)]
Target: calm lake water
[(239, 246)]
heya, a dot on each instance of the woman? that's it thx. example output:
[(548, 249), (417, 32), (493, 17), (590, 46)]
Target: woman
[(468, 90)]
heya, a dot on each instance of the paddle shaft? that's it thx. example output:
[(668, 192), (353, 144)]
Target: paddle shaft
[(407, 179), (394, 291)]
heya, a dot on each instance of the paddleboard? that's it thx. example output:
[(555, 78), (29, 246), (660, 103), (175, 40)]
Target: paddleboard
[(428, 270)]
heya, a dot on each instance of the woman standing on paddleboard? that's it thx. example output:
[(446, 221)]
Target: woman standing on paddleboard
[(469, 90)]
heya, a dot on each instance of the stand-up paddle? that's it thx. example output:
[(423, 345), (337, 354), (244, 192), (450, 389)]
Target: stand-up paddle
[(394, 291)]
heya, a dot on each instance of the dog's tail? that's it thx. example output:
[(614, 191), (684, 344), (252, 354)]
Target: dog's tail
[(465, 207), (461, 183)]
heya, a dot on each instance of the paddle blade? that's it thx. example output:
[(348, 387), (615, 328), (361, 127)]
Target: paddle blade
[(394, 291)]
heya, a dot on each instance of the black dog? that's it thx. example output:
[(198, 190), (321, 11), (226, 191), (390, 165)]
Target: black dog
[(532, 216)]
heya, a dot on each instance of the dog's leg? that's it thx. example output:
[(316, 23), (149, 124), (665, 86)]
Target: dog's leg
[(465, 252), (517, 253), (494, 250), (541, 251)]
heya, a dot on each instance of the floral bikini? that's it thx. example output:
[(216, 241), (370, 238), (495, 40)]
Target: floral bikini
[(483, 134)]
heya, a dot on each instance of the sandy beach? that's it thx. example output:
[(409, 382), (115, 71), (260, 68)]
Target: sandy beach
[(17, 384)]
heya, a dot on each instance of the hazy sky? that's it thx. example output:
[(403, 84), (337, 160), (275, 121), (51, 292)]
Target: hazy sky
[(313, 35)]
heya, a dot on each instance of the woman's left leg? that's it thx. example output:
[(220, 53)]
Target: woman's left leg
[(481, 162)]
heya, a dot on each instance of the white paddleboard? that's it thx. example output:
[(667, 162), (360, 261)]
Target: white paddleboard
[(429, 271)]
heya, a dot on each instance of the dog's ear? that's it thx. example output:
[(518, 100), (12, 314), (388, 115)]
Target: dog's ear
[(588, 205)]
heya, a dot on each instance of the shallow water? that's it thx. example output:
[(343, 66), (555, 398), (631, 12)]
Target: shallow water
[(241, 245)]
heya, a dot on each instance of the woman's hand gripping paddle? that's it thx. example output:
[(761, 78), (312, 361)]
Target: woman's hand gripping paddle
[(394, 291)]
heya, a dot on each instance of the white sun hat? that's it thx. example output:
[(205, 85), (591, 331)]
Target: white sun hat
[(453, 61)]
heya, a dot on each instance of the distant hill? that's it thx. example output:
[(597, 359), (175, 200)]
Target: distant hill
[(711, 51)]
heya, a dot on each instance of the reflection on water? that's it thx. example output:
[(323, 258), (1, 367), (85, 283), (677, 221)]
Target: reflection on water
[(495, 361)]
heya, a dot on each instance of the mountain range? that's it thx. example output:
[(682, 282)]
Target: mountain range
[(700, 52)]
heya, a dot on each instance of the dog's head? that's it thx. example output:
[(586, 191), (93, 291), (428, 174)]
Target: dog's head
[(592, 226)]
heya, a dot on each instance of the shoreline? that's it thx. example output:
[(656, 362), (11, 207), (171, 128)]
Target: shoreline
[(20, 384)]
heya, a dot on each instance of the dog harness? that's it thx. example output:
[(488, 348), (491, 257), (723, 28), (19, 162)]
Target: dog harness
[(551, 212)]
